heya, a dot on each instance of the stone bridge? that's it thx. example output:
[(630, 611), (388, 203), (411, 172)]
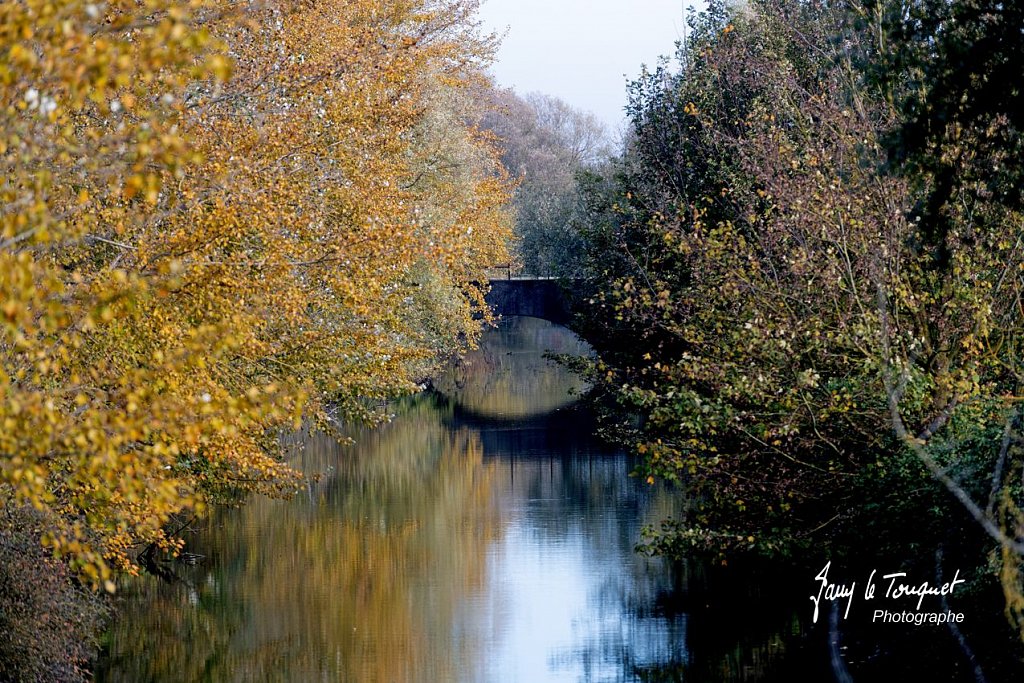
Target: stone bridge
[(546, 298)]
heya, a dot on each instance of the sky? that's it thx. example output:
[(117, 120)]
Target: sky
[(582, 50)]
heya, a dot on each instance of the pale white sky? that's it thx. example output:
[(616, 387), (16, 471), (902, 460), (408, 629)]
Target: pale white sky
[(582, 50)]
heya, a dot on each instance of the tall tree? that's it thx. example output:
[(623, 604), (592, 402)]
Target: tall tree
[(217, 220), (768, 295)]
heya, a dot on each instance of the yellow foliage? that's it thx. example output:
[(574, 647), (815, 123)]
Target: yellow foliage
[(219, 219)]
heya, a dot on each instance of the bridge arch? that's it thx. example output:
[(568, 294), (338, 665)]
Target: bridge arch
[(544, 298)]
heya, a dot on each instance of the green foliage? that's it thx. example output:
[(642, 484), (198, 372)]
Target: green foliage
[(953, 70), (805, 339)]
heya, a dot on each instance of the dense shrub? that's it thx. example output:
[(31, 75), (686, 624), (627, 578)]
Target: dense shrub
[(47, 621)]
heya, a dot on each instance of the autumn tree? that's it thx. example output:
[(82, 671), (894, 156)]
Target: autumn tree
[(218, 220)]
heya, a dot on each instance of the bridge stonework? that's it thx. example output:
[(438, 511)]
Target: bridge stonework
[(535, 297)]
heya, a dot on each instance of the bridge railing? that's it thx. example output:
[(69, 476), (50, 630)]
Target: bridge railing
[(499, 272), (505, 272)]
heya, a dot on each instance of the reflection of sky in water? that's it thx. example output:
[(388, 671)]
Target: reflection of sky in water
[(556, 619), (566, 598)]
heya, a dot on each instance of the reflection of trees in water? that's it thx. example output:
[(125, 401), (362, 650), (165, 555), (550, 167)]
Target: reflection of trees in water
[(388, 567), (510, 376), (359, 583)]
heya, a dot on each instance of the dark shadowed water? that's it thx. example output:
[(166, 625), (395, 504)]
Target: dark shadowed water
[(482, 535)]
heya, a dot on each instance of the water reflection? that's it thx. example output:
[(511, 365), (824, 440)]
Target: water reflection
[(510, 376), (359, 579), (445, 546), (581, 620)]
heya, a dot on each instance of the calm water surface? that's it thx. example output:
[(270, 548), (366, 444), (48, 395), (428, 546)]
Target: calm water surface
[(482, 535)]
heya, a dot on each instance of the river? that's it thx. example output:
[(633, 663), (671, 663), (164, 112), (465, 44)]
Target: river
[(484, 534)]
